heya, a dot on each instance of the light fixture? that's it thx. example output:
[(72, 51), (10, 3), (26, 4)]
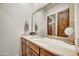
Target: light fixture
[(26, 27)]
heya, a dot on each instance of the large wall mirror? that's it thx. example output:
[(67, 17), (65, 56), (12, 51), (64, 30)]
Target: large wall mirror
[(53, 21)]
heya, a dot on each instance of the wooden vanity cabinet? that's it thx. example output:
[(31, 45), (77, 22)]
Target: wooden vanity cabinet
[(31, 49)]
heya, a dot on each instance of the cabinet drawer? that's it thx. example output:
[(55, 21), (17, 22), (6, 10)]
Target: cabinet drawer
[(44, 53), (34, 47)]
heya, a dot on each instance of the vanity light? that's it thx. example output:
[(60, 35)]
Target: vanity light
[(26, 27), (36, 28)]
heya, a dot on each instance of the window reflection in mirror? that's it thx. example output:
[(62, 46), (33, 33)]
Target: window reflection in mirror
[(51, 25), (63, 22), (56, 24)]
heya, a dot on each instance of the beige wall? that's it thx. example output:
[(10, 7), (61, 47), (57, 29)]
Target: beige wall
[(12, 18), (77, 22)]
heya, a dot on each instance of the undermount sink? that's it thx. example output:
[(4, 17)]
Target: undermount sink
[(37, 37)]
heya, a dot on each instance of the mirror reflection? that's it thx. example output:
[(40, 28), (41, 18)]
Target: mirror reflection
[(53, 21), (51, 25)]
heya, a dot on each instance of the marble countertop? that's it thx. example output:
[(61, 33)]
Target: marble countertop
[(56, 46)]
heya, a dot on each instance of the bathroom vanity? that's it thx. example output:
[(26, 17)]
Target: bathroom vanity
[(29, 48), (39, 46), (57, 25)]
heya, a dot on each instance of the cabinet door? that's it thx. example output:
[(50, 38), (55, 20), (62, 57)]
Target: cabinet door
[(45, 53), (23, 47), (63, 22), (28, 51), (34, 47), (33, 53)]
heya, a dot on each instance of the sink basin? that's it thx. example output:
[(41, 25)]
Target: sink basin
[(37, 37)]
